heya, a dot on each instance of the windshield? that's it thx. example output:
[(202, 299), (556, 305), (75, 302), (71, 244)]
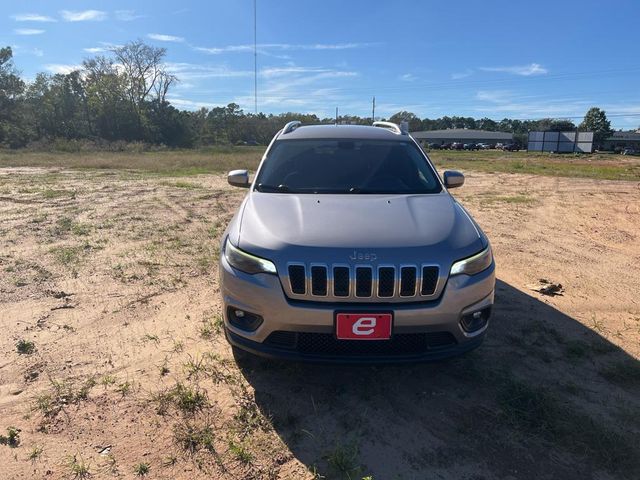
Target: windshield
[(346, 166)]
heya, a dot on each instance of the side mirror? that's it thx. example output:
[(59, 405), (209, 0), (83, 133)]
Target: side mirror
[(453, 179), (238, 178)]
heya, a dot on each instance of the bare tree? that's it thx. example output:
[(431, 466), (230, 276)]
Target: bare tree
[(145, 74)]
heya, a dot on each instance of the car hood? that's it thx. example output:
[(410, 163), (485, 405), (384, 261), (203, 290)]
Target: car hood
[(275, 225)]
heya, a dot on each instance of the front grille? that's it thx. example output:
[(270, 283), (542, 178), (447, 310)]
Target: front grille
[(327, 344), (342, 283)]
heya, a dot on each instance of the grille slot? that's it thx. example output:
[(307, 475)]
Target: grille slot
[(408, 281), (319, 280), (429, 280), (386, 281), (297, 279), (341, 281), (364, 281)]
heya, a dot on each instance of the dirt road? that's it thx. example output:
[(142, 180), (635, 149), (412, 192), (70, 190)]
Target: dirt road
[(112, 362)]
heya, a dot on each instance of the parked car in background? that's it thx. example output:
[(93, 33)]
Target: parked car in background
[(457, 146), (483, 146), (630, 151), (445, 146), (499, 146), (511, 147), (434, 146), (470, 146)]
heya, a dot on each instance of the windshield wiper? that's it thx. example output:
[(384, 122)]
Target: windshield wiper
[(261, 187)]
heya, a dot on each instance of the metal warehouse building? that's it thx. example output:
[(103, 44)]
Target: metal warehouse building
[(623, 140), (462, 135)]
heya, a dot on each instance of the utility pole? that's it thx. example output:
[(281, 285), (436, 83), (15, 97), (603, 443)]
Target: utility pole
[(373, 110), (255, 57)]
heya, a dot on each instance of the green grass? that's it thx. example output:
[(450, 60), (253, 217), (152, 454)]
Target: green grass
[(78, 468), (184, 398), (141, 469), (240, 452), (343, 461), (535, 410), (193, 437), (600, 166), (62, 394), (175, 163), (12, 438), (52, 193), (510, 199), (25, 347), (185, 163), (623, 373), (182, 184), (35, 453), (67, 256)]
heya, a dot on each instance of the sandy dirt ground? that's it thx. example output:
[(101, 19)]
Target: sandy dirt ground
[(113, 365)]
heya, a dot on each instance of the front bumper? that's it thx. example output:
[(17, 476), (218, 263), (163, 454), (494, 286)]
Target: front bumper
[(263, 295)]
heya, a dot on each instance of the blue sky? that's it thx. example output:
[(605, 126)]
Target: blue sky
[(491, 58)]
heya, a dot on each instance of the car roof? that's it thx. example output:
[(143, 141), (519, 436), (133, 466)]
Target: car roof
[(342, 131)]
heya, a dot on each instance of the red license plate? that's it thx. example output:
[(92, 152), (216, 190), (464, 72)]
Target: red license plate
[(363, 326)]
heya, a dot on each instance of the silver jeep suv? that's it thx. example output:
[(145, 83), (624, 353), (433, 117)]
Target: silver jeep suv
[(348, 247)]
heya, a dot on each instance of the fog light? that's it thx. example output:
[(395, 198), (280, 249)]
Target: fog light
[(476, 320), (243, 320)]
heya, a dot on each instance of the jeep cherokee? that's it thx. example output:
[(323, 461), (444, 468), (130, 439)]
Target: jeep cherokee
[(349, 247)]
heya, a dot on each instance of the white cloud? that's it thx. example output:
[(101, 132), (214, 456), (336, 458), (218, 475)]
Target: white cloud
[(191, 71), (160, 37), (105, 47), (336, 46), (517, 105), (299, 87), (230, 48), (495, 96), (28, 31), (32, 17), (83, 16), (264, 47), (459, 75), (127, 15), (61, 68), (190, 104), (408, 77), (524, 70), (19, 50), (281, 71)]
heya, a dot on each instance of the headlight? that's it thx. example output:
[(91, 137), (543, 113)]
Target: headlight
[(475, 264), (245, 262)]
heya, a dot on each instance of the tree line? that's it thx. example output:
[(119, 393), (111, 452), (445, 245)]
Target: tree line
[(122, 97)]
